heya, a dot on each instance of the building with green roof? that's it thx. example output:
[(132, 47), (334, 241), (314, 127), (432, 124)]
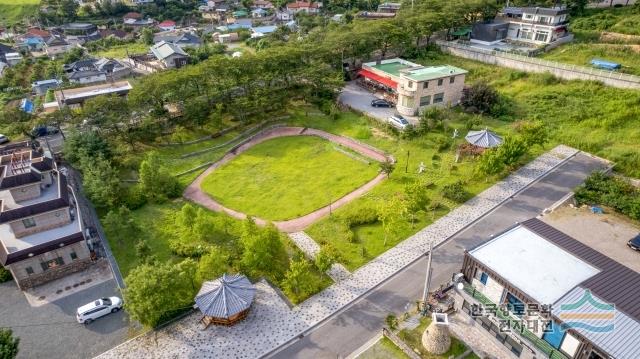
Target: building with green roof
[(416, 86)]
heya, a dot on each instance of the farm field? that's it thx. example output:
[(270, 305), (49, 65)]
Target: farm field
[(13, 11)]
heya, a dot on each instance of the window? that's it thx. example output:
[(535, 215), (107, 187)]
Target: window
[(526, 34), (29, 270), (483, 278), (406, 101), (426, 85), (439, 97), (544, 19), (73, 256), (452, 79), (52, 263), (410, 84), (440, 82), (528, 16), (425, 100), (29, 222), (541, 36)]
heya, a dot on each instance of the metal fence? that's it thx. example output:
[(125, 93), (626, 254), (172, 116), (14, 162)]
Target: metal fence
[(578, 70)]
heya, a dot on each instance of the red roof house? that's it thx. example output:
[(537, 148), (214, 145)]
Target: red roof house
[(167, 25)]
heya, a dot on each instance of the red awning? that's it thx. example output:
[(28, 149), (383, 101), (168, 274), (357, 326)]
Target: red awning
[(377, 78)]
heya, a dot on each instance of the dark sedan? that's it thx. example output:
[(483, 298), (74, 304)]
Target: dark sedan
[(380, 103), (634, 243)]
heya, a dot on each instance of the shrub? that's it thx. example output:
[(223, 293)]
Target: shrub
[(184, 248), (360, 216), (479, 98), (325, 258), (455, 192), (612, 192), (5, 275), (443, 143)]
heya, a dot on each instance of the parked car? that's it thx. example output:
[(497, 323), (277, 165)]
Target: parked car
[(42, 130), (98, 308), (380, 103), (398, 122), (4, 139), (634, 243)]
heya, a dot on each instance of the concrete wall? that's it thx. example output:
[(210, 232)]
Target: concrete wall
[(25, 193), (452, 93), (43, 221), (529, 64)]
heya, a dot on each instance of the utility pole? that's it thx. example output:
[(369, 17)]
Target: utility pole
[(427, 277)]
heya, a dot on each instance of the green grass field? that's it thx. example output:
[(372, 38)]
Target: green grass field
[(287, 177), (120, 51), (624, 20), (582, 53), (14, 11)]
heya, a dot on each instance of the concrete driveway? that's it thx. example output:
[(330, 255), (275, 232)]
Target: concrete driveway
[(360, 99), (51, 330)]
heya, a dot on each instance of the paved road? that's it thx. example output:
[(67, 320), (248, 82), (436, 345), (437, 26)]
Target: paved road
[(51, 331), (353, 327)]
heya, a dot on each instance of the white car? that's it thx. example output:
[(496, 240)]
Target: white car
[(4, 139), (398, 122), (98, 308)]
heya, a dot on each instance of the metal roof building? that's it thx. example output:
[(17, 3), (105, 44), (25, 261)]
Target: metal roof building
[(225, 300)]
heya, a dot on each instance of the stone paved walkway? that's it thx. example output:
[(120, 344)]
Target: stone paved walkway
[(477, 338), (255, 340), (194, 192)]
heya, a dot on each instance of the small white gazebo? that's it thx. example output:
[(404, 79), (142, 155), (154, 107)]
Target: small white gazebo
[(483, 138), (225, 300)]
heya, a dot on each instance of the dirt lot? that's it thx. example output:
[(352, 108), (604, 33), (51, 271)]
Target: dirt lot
[(607, 233)]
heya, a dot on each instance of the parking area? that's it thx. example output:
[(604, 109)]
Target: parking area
[(607, 233), (51, 330), (360, 99)]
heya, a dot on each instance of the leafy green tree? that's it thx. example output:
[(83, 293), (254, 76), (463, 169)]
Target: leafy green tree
[(387, 167), (325, 258), (391, 213), (455, 192), (417, 198), (179, 135), (80, 144), (155, 180), (146, 35), (262, 250), (100, 181), (490, 162), (511, 150), (155, 291), (212, 265), (120, 224), (8, 344), (480, 98), (299, 281), (144, 252)]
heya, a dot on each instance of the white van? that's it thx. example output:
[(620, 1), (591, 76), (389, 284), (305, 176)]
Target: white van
[(98, 308)]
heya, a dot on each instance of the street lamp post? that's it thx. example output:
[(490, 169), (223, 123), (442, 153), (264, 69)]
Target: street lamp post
[(427, 278)]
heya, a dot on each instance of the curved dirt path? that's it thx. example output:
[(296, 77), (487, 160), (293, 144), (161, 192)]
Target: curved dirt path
[(194, 192)]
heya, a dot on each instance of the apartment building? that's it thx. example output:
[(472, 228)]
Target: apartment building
[(414, 87), (41, 231)]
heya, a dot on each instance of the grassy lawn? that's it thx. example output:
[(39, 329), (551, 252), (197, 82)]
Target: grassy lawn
[(383, 349), (120, 51), (14, 11), (287, 177), (624, 20), (582, 53)]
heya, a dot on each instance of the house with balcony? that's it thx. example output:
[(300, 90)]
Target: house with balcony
[(41, 231), (413, 87), (535, 26), (544, 294)]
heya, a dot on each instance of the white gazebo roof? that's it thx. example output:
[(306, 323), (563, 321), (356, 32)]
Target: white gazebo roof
[(225, 296), (483, 138)]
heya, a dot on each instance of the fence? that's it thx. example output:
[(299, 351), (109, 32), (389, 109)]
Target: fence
[(532, 64)]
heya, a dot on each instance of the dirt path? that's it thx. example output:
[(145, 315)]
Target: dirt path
[(194, 192)]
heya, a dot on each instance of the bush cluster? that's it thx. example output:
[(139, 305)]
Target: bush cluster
[(612, 192), (456, 192)]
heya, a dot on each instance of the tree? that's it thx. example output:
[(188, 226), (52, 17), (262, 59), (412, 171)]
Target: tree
[(120, 224), (81, 144), (325, 258), (490, 162), (479, 98), (299, 281), (155, 180), (146, 35), (391, 213), (8, 344), (100, 181), (387, 167), (417, 198), (155, 292), (511, 150), (144, 253), (262, 250), (179, 135), (212, 265)]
